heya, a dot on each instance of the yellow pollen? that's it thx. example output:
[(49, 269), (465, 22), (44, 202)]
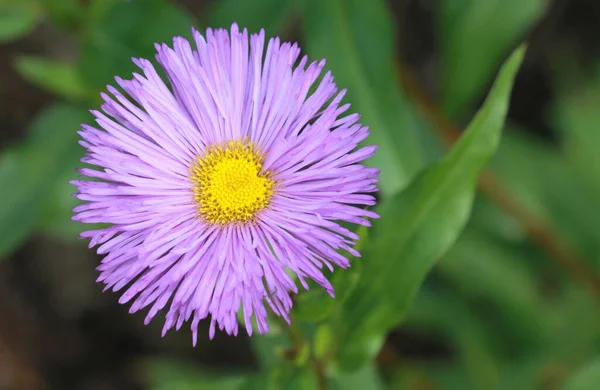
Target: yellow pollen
[(229, 184)]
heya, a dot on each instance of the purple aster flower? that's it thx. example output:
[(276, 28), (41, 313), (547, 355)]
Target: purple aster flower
[(226, 185)]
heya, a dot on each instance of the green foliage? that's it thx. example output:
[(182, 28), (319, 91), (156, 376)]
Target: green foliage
[(31, 168), (586, 378), (282, 376), (432, 212), (365, 378), (576, 114), (474, 36), (165, 374), (273, 15), (506, 315), (552, 188), (54, 76), (127, 29), (452, 319), (335, 31), (65, 14), (17, 19), (480, 267)]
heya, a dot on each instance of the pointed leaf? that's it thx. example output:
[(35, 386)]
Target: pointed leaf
[(474, 35), (418, 226)]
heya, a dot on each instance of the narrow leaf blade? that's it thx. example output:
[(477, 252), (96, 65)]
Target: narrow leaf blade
[(419, 225)]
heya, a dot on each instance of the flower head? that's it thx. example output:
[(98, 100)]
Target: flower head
[(219, 182)]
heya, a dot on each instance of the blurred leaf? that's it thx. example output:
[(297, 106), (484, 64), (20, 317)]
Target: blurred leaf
[(489, 218), (532, 169), (164, 374), (269, 348), (365, 378), (359, 45), (548, 187), (66, 14), (10, 177), (452, 318), (284, 375), (474, 35), (418, 226), (302, 379), (57, 209), (30, 170), (323, 341), (54, 76), (491, 271), (99, 9), (575, 112), (586, 378), (273, 16), (126, 30), (431, 375), (523, 373), (17, 19), (316, 304), (313, 305), (574, 332)]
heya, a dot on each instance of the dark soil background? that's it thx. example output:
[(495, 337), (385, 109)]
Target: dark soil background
[(59, 331)]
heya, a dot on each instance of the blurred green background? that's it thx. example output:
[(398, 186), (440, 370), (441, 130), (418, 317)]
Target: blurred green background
[(509, 301)]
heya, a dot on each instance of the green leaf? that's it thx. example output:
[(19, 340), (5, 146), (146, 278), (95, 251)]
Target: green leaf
[(302, 379), (490, 219), (313, 305), (58, 77), (358, 43), (273, 16), (474, 35), (418, 226), (524, 373), (586, 378), (455, 321), (126, 30), (17, 19), (316, 304), (99, 9), (549, 187), (66, 14), (322, 343), (574, 332), (57, 209), (575, 113), (430, 375), (166, 374), (270, 348), (283, 375), (365, 378), (30, 170), (12, 234), (491, 271)]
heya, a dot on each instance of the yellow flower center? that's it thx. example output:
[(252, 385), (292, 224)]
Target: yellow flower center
[(230, 186)]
